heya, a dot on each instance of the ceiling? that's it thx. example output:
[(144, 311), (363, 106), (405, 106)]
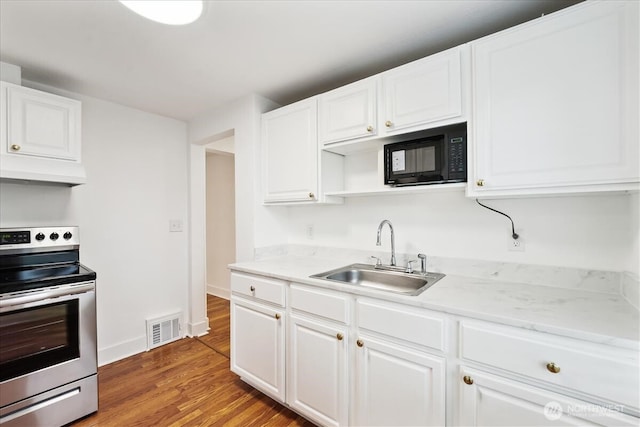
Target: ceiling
[(283, 50)]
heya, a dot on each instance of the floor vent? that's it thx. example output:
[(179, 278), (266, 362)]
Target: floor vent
[(163, 330)]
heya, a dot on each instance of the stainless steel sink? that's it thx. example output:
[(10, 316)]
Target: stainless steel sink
[(381, 278)]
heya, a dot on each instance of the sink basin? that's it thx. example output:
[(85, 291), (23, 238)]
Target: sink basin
[(369, 276)]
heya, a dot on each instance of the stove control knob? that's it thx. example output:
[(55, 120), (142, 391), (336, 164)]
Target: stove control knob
[(67, 235), (54, 236), (39, 237)]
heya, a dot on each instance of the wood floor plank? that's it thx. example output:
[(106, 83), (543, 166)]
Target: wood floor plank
[(185, 383), (218, 310)]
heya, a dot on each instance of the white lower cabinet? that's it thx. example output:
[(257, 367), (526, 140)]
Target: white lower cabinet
[(543, 379), (340, 359), (258, 345), (258, 324), (317, 370), (489, 400), (397, 386)]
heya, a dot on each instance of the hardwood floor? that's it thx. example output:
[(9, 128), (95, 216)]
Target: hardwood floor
[(185, 383), (220, 324)]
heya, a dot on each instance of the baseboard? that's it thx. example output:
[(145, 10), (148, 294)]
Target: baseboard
[(219, 292), (122, 350), (198, 329)]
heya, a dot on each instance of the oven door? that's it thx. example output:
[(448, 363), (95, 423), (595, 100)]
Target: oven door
[(47, 338)]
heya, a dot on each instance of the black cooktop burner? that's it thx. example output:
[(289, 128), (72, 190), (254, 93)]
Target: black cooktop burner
[(43, 276), (41, 270)]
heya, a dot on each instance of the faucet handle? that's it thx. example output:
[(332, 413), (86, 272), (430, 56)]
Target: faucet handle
[(378, 261), (410, 266)]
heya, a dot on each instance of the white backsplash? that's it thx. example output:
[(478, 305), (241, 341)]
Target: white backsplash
[(560, 277), (631, 288)]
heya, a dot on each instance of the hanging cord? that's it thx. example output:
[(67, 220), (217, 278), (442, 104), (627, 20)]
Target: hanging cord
[(513, 229)]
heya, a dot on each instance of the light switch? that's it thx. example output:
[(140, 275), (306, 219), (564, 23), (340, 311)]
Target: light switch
[(175, 226)]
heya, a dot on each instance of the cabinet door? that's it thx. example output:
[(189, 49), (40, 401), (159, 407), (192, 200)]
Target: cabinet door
[(318, 386), (493, 401), (348, 112), (41, 124), (555, 102), (397, 386), (290, 153), (422, 92), (257, 346)]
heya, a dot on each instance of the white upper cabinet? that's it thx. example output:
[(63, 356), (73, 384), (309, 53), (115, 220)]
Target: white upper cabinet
[(294, 170), (349, 112), (419, 95), (555, 104), (40, 137), (290, 153), (422, 92)]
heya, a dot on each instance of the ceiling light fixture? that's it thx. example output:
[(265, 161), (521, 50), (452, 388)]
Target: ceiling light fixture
[(171, 12)]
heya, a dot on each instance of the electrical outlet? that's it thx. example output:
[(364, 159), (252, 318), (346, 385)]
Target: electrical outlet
[(175, 226), (309, 231), (516, 245)]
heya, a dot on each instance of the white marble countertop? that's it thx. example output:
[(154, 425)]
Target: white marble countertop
[(593, 316)]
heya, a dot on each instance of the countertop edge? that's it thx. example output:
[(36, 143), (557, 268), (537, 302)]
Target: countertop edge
[(262, 268)]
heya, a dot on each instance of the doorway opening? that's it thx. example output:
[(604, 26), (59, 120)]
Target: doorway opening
[(220, 240)]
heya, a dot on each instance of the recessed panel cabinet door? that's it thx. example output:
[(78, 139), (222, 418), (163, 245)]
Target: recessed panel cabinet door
[(396, 386), (290, 153), (318, 386), (488, 400), (348, 112), (41, 124), (424, 91), (555, 103), (257, 346)]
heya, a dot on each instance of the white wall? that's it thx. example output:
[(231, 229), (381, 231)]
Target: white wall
[(242, 120), (221, 223), (136, 166), (594, 232)]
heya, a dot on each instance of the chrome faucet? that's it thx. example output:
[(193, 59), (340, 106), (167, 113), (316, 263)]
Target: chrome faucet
[(393, 240)]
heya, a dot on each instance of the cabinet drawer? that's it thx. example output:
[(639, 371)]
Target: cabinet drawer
[(271, 290), (406, 323), (611, 374), (323, 303)]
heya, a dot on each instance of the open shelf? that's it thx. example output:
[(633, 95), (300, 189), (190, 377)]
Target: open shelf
[(384, 191)]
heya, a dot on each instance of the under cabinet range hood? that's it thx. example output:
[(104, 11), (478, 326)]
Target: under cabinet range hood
[(41, 171)]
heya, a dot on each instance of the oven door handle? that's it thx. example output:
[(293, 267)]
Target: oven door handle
[(41, 295)]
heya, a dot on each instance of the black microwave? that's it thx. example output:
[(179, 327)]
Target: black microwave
[(436, 156)]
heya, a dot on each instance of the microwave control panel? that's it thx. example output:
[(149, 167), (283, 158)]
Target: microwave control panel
[(457, 155)]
